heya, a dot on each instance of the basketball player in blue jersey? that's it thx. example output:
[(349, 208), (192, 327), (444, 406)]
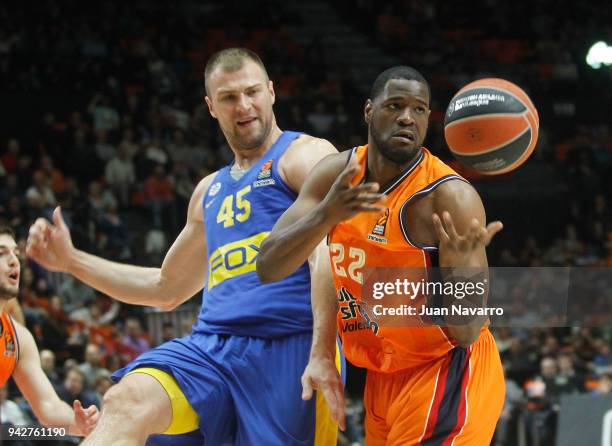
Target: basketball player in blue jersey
[(235, 380)]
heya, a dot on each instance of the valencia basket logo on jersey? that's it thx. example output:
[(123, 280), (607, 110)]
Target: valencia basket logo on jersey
[(350, 310), (377, 234), (264, 175)]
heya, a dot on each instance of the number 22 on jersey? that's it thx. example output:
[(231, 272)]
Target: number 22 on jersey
[(357, 259), (241, 212)]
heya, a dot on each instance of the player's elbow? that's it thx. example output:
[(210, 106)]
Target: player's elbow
[(168, 306), (464, 336), (264, 272)]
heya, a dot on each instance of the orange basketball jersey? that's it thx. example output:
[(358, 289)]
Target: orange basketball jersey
[(9, 348), (370, 240)]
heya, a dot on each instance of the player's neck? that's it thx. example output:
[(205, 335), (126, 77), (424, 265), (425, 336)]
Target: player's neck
[(246, 158), (3, 303), (382, 170)]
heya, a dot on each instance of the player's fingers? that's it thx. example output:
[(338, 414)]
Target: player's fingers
[(351, 169), (472, 237), (306, 388), (339, 392), (58, 218), (439, 228), (363, 207), (76, 405), (370, 198), (370, 187), (450, 226), (492, 229), (362, 189), (332, 401)]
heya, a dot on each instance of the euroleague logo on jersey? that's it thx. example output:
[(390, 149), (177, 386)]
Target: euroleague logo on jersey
[(378, 232), (263, 177), (9, 345)]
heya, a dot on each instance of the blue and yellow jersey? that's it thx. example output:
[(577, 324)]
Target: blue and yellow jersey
[(239, 215)]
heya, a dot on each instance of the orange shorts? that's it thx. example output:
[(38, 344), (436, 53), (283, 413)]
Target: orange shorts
[(455, 400)]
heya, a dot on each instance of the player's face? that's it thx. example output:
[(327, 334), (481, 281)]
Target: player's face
[(9, 267), (398, 118), (242, 103)]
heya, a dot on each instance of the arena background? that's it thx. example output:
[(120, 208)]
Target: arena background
[(102, 113)]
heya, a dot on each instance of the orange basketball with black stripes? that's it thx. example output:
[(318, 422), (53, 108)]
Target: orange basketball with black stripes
[(491, 125)]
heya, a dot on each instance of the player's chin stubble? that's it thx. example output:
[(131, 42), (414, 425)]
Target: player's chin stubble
[(395, 155)]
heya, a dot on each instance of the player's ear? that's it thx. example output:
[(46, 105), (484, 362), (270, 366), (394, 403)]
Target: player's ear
[(367, 111), (210, 107), (271, 90)]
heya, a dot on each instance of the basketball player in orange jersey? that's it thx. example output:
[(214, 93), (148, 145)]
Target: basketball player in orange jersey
[(428, 385), (19, 356)]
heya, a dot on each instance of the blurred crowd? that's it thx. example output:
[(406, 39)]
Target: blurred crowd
[(104, 116)]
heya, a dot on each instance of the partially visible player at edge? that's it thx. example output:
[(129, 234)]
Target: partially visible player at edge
[(236, 378), (429, 385), (20, 359)]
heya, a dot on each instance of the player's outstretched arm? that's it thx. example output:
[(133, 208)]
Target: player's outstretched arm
[(35, 386), (180, 276), (459, 221), (326, 199), (322, 372)]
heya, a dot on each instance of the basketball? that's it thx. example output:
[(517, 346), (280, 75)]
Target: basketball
[(491, 126)]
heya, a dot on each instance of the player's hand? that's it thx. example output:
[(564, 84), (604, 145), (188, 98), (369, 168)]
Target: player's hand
[(458, 248), (50, 245), (343, 201), (322, 375), (85, 420)]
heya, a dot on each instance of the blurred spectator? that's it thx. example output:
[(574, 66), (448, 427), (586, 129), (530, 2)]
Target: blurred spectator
[(178, 149), (75, 294), (120, 174), (54, 175), (168, 332), (506, 427), (11, 156), (155, 246), (10, 413), (320, 120), (47, 362), (73, 388), (134, 339), (105, 117), (114, 236), (159, 199), (92, 368), (104, 149), (39, 196), (101, 386), (100, 199), (604, 386)]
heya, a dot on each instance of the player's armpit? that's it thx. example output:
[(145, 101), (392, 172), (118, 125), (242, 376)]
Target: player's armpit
[(301, 157)]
